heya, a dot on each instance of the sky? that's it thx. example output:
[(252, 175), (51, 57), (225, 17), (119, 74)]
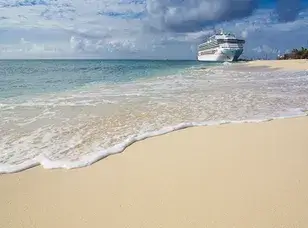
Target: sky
[(147, 29)]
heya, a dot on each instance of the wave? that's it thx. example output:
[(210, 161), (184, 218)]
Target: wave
[(89, 159), (80, 126)]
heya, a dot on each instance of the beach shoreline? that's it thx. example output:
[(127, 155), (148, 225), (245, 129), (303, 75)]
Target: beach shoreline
[(290, 64), (230, 175), (90, 159), (93, 157)]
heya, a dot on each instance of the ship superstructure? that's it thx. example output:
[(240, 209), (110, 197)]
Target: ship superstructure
[(221, 47)]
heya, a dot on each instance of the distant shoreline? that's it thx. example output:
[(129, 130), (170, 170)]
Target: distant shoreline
[(290, 64)]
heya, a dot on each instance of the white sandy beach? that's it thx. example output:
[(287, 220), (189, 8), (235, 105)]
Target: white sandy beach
[(296, 64), (236, 175)]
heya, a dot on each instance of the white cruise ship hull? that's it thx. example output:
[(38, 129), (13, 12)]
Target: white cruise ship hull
[(221, 55)]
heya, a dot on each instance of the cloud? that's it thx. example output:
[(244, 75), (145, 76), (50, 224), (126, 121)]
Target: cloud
[(33, 50), (267, 36), (193, 15), (142, 28), (288, 10)]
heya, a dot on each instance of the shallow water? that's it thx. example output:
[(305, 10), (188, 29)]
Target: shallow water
[(71, 113)]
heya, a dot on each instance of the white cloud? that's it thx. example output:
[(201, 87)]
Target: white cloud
[(136, 28), (265, 35)]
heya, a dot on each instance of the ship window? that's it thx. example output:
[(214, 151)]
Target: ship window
[(232, 41)]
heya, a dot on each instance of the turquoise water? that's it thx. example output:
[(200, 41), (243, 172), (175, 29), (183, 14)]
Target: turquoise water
[(26, 77), (71, 113)]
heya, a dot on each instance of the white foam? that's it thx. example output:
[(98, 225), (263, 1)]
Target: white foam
[(67, 130), (227, 63), (89, 159)]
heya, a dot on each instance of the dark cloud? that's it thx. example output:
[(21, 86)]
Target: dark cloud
[(288, 10), (194, 15)]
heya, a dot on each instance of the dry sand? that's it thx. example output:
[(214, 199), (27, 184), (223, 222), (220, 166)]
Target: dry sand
[(237, 175), (296, 64)]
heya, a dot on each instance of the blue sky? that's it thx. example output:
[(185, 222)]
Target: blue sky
[(146, 28)]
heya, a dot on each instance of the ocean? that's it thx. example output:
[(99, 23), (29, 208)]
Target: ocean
[(72, 113)]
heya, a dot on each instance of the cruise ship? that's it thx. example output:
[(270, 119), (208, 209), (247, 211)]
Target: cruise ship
[(221, 47)]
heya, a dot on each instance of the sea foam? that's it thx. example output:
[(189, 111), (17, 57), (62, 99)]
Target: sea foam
[(89, 159), (77, 127)]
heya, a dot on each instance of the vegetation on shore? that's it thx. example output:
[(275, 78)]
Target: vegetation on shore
[(295, 54)]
